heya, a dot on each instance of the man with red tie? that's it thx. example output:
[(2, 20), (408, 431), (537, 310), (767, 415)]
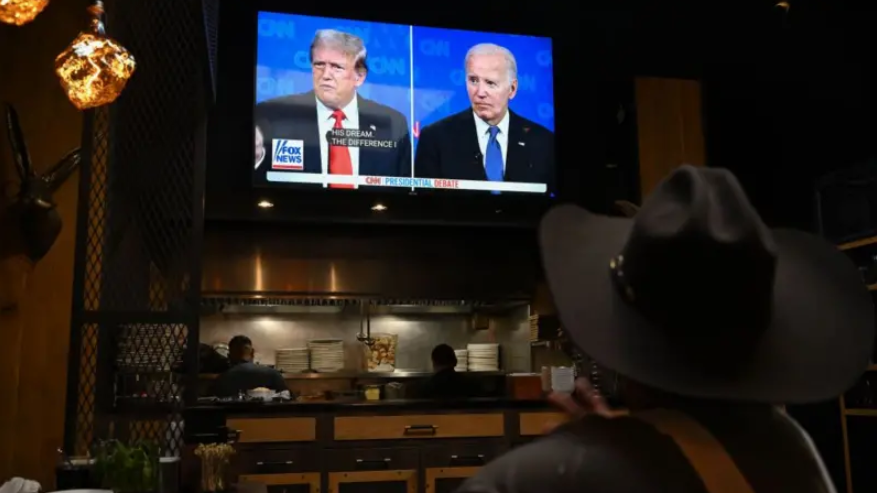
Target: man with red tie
[(293, 132)]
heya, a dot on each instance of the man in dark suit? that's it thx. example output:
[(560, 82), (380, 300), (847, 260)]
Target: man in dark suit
[(488, 141), (339, 68)]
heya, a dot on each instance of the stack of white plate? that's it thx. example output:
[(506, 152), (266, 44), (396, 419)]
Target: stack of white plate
[(293, 360), (327, 355), (462, 360), (483, 357)]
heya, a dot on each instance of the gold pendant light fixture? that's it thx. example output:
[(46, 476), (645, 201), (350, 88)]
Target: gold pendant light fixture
[(94, 69), (20, 12)]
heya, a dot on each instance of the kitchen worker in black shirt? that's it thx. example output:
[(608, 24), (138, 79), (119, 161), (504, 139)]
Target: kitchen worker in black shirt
[(245, 375), (446, 382)]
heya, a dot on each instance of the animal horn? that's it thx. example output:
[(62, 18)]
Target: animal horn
[(19, 145), (61, 171)]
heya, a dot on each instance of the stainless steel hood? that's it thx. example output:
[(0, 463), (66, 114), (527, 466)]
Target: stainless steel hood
[(434, 264), (262, 305)]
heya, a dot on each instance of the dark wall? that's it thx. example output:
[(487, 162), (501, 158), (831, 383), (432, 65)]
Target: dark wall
[(798, 103)]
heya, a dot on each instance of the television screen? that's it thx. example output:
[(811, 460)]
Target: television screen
[(367, 105)]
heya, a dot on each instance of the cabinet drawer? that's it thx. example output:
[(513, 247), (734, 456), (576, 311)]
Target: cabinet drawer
[(270, 462), (370, 459), (279, 483), (263, 430), (447, 479), (536, 423), (461, 454), (373, 481), (418, 426)]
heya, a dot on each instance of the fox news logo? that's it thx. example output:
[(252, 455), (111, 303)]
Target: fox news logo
[(288, 155)]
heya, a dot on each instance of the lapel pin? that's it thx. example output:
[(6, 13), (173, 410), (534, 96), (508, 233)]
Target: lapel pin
[(372, 127), (526, 129), (522, 143)]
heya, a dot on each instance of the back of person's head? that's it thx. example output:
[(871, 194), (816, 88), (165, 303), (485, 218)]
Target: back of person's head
[(443, 357), (240, 349)]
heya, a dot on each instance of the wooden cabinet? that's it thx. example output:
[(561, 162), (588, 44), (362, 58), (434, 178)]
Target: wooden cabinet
[(532, 424), (284, 483), (427, 452), (427, 426), (372, 470), (266, 430), (447, 479), (390, 481)]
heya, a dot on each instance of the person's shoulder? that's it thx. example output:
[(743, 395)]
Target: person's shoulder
[(582, 455), (448, 123), (530, 127), (372, 106), (284, 103)]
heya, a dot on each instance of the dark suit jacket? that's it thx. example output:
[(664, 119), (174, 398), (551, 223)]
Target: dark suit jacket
[(295, 117), (449, 148)]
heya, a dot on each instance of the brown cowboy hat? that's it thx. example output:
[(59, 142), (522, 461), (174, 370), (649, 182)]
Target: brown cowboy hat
[(697, 297)]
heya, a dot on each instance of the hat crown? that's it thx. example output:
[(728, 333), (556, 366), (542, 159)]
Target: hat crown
[(699, 260)]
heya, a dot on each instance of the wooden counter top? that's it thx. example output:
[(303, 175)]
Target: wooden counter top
[(343, 406)]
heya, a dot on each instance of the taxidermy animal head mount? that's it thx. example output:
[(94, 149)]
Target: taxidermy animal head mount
[(30, 224)]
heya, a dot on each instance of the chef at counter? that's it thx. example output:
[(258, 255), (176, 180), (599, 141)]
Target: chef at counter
[(245, 375), (446, 383)]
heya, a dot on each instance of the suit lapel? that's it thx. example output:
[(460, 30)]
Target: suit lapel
[(309, 129), (369, 120), (517, 155), (469, 147)]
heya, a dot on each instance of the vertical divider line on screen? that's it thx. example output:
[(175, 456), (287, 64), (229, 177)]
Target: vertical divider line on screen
[(411, 94)]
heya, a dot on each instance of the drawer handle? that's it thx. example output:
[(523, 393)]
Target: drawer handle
[(274, 464), (421, 430), (467, 460), (373, 465)]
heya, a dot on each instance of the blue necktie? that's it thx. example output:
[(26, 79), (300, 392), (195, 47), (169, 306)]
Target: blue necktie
[(493, 165)]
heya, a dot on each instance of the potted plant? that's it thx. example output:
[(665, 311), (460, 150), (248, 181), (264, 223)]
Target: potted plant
[(131, 468)]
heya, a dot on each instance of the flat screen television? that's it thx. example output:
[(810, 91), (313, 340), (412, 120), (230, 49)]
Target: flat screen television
[(360, 105)]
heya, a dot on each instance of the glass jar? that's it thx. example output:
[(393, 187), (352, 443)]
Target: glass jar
[(382, 353)]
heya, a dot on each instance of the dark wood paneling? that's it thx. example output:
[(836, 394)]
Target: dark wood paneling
[(35, 336), (669, 126)]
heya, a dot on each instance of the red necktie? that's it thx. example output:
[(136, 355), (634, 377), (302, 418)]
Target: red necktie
[(339, 156)]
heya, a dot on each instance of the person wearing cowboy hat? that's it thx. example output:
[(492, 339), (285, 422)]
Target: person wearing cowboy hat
[(712, 319)]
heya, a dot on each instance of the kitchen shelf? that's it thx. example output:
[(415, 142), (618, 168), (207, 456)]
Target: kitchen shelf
[(861, 412), (858, 243), (363, 375)]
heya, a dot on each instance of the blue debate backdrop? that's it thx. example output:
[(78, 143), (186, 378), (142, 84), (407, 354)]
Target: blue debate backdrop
[(283, 59), (440, 78), (439, 82)]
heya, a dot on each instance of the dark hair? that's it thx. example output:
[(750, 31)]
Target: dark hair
[(237, 342), (444, 356)]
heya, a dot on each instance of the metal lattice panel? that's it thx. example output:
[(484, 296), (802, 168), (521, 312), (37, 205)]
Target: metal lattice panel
[(136, 295)]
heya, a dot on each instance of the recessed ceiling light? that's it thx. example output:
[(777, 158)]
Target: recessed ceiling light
[(379, 207), (265, 204)]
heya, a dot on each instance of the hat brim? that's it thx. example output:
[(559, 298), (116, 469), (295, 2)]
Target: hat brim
[(819, 342)]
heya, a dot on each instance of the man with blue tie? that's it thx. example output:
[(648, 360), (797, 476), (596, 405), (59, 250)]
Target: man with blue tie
[(488, 141)]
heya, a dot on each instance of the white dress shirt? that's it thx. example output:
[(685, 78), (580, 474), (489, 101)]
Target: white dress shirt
[(483, 129), (326, 122)]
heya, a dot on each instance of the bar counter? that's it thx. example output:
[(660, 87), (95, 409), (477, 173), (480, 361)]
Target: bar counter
[(349, 405), (398, 445)]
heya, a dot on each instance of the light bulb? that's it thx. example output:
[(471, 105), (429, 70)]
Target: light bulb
[(94, 69), (20, 12)]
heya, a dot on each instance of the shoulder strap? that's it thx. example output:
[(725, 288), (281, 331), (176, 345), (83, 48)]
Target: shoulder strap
[(708, 457)]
